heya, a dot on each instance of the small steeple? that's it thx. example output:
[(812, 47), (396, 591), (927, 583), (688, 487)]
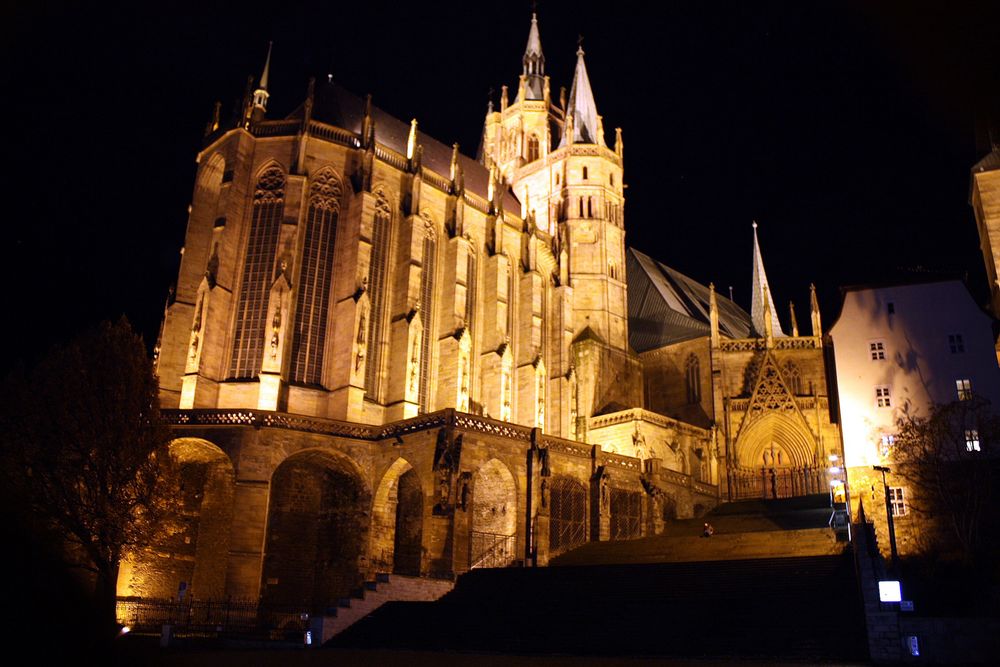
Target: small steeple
[(795, 323), (260, 95), (533, 73), (713, 315), (582, 109), (817, 326), (411, 140), (760, 305)]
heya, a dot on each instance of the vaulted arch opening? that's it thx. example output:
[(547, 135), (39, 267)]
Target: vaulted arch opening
[(190, 556), (397, 518), (494, 515), (316, 530)]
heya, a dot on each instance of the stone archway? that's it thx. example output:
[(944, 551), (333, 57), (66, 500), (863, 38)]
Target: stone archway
[(776, 458), (398, 513), (317, 529), (494, 516), (190, 557)]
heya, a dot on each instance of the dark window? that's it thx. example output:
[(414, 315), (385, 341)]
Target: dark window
[(956, 344), (892, 308), (312, 305), (258, 268)]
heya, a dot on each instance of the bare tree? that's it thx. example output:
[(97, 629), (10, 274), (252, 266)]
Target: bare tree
[(87, 452), (949, 463)]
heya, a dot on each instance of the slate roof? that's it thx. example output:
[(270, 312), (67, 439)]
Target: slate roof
[(337, 106), (665, 306)]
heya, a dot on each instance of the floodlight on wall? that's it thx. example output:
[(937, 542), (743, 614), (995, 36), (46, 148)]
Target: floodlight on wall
[(889, 591)]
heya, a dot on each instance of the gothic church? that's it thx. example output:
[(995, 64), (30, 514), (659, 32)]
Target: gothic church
[(384, 356)]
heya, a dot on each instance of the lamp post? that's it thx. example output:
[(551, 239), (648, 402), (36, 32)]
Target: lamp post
[(888, 514)]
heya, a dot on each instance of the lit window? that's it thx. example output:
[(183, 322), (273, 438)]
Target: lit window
[(877, 349), (972, 440), (956, 344), (887, 442), (882, 398), (964, 388), (896, 501)]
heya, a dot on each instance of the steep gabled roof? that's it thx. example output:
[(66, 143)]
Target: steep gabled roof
[(337, 106), (665, 306)]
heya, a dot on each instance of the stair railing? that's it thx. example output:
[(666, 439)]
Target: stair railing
[(491, 549)]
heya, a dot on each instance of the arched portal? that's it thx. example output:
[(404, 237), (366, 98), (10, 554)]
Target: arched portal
[(316, 530), (398, 521), (567, 515), (494, 516), (189, 557), (776, 458)]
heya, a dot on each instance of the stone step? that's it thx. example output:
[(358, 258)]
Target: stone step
[(373, 595)]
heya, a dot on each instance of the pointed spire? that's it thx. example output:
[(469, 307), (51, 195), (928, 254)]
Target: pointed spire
[(533, 74), (368, 125), (713, 315), (760, 305), (817, 326), (213, 124), (582, 108), (411, 140), (260, 95), (795, 323)]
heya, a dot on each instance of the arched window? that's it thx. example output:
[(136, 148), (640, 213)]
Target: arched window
[(580, 200), (312, 304), (427, 313), (692, 378), (532, 148), (584, 173), (377, 280), (793, 378), (258, 272)]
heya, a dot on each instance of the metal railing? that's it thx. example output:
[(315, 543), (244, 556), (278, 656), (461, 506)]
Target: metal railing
[(491, 549), (231, 616)]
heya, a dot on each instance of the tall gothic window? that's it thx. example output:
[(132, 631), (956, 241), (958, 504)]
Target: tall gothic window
[(427, 314), (793, 378), (377, 279), (532, 148), (312, 305), (692, 377), (258, 272)]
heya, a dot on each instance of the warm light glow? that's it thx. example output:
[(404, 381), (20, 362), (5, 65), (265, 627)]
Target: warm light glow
[(834, 457), (188, 385), (270, 385)]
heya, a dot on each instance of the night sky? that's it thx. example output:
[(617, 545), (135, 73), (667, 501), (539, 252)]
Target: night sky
[(846, 131)]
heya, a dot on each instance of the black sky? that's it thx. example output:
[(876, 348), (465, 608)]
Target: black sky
[(846, 129)]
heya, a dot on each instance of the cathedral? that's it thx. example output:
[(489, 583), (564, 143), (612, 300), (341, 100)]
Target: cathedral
[(382, 355)]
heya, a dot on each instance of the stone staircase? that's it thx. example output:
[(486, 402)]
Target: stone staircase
[(372, 595), (803, 608)]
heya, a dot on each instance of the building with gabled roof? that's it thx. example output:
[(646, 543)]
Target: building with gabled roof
[(382, 355)]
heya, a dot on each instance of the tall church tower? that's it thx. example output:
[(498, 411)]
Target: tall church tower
[(554, 156)]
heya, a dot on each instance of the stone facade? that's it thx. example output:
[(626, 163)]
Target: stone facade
[(384, 356)]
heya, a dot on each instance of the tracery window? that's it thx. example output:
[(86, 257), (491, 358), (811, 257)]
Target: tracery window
[(692, 377), (532, 148), (312, 304), (258, 272), (793, 378)]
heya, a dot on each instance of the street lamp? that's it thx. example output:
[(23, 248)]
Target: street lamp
[(888, 514)]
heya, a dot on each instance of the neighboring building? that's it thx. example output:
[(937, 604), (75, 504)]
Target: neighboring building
[(900, 350), (384, 355), (984, 197)]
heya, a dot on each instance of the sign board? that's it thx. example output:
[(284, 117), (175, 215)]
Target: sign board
[(888, 591)]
